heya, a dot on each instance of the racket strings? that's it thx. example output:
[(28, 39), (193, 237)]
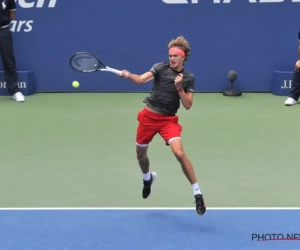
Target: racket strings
[(85, 63)]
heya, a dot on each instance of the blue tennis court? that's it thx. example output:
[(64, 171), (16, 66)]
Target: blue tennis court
[(148, 229)]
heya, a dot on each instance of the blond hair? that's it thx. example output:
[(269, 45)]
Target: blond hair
[(182, 43)]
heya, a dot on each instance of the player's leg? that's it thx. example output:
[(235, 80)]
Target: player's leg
[(144, 163), (171, 132), (143, 160), (187, 167), (295, 90), (188, 170), (145, 133)]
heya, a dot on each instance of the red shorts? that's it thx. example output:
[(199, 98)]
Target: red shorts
[(151, 123)]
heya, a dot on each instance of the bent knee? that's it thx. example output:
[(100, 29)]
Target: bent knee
[(141, 154), (141, 157), (179, 154)]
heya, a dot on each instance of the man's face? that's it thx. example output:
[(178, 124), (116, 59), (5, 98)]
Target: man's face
[(176, 60)]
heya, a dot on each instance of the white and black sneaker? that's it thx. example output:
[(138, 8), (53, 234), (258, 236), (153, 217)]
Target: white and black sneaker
[(148, 185)]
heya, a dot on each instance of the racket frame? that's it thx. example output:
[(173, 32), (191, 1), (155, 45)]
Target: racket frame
[(105, 68)]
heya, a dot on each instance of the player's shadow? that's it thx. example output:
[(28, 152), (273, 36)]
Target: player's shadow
[(197, 224)]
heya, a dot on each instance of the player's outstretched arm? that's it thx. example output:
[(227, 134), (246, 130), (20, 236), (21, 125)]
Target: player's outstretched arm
[(137, 79)]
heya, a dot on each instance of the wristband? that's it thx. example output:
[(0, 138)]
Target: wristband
[(179, 89)]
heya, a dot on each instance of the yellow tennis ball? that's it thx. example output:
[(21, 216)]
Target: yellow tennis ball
[(75, 84)]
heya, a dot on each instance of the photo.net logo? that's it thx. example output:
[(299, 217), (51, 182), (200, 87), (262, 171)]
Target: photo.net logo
[(275, 237), (27, 25), (227, 1)]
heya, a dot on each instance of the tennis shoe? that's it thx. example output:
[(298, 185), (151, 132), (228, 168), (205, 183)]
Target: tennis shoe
[(19, 97), (290, 102), (148, 185), (200, 204)]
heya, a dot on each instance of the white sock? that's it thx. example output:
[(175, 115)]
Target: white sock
[(146, 176), (196, 189)]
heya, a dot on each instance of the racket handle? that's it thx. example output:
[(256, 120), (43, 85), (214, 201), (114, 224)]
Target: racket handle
[(111, 70)]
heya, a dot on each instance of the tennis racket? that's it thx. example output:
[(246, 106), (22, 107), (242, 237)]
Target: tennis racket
[(86, 62)]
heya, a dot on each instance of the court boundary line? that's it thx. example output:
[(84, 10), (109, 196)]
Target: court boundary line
[(142, 208)]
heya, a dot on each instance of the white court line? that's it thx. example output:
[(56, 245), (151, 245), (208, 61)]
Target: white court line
[(146, 208)]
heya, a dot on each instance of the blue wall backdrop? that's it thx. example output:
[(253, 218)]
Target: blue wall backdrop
[(248, 36)]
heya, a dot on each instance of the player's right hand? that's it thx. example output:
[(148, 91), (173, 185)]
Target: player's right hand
[(124, 74), (297, 66)]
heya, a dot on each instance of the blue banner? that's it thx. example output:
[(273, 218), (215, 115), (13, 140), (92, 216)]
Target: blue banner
[(252, 37)]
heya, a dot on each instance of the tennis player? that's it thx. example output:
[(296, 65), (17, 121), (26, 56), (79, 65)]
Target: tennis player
[(172, 84)]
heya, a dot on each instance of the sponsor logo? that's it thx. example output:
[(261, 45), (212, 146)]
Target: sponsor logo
[(36, 3), (21, 85), (227, 1), (287, 84), (27, 25)]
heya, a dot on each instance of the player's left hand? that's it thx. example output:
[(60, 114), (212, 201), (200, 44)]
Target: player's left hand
[(178, 81)]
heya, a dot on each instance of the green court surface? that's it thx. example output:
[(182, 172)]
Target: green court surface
[(78, 150)]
